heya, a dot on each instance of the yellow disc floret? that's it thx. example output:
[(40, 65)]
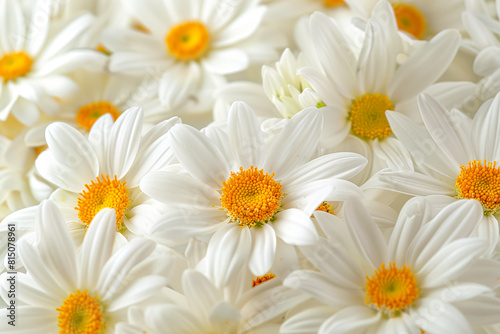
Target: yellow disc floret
[(89, 113), (188, 40), (476, 181), (251, 197), (333, 3), (261, 279), (105, 193), (392, 289), (80, 314), (409, 19), (367, 116), (14, 65)]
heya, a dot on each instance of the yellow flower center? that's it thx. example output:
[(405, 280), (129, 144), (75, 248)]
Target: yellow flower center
[(391, 289), (476, 181), (89, 113), (367, 116), (326, 208), (409, 19), (251, 197), (333, 3), (14, 65), (80, 314), (188, 40), (262, 279), (105, 193)]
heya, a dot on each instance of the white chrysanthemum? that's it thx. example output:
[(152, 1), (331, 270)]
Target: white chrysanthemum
[(192, 45), (242, 306), (423, 278), (455, 156), (421, 19), (78, 289), (249, 193), (31, 64), (358, 90), (104, 170)]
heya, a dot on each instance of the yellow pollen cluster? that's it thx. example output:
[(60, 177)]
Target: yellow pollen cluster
[(391, 289), (409, 19), (89, 113), (251, 197), (262, 279), (14, 65), (333, 3), (105, 193), (188, 40), (326, 208), (476, 181), (367, 116), (80, 314)]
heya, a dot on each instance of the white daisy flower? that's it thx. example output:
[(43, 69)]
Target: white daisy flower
[(104, 170), (249, 193), (455, 156), (412, 283), (421, 19), (71, 289), (252, 307), (192, 45), (357, 91), (31, 64)]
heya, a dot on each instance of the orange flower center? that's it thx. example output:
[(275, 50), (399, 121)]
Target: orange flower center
[(88, 114), (14, 65), (409, 19), (333, 3), (105, 193), (262, 279), (251, 197), (188, 40), (476, 181), (367, 116), (80, 314), (391, 289)]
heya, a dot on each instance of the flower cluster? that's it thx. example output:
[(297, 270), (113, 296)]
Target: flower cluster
[(263, 166)]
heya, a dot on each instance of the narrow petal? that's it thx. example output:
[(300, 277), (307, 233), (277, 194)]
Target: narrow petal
[(365, 233), (263, 250), (295, 227), (200, 292), (177, 83), (417, 184), (307, 321), (246, 137), (13, 29), (349, 319), (481, 310), (140, 290), (485, 131), (424, 66), (203, 160), (451, 320), (225, 61)]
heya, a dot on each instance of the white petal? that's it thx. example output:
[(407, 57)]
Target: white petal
[(445, 131), (152, 16), (295, 227), (295, 144), (450, 261), (97, 246), (350, 318), (38, 29), (184, 190), (416, 184), (172, 319), (365, 233), (246, 138), (481, 310), (240, 28), (140, 290), (485, 131), (451, 320), (177, 83), (120, 264), (307, 321), (225, 61), (487, 61), (200, 292), (13, 29), (424, 66), (334, 165), (320, 287), (227, 252), (124, 142), (224, 318), (263, 250), (202, 160)]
